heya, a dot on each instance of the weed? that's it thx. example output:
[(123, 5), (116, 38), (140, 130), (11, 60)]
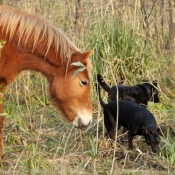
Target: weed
[(168, 149), (34, 161), (123, 52), (93, 151)]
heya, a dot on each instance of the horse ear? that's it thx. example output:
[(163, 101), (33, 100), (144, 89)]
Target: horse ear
[(85, 55), (85, 59), (82, 57)]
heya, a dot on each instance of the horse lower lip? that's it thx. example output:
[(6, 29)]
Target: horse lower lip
[(82, 128), (81, 125)]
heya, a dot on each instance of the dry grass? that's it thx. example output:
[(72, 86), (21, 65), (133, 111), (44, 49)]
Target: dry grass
[(39, 141)]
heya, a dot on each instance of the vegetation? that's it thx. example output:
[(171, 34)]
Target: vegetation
[(39, 141)]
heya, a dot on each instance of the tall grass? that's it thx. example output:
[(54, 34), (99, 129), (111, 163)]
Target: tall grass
[(120, 51), (38, 140)]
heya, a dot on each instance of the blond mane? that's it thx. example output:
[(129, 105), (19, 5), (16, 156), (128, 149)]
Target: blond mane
[(26, 25)]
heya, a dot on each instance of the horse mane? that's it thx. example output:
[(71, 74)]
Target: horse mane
[(26, 25)]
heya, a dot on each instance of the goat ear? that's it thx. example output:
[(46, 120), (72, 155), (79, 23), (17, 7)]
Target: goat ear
[(158, 130), (99, 77), (155, 83), (146, 131), (144, 128), (136, 90)]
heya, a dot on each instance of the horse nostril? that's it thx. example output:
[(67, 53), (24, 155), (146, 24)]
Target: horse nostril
[(80, 125)]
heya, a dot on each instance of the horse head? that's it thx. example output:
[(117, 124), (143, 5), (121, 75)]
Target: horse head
[(71, 93)]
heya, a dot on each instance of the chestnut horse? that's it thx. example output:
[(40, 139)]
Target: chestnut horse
[(32, 43)]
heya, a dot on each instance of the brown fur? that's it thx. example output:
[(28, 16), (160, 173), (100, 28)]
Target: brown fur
[(35, 44)]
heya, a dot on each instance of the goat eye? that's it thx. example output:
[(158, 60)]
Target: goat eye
[(84, 82)]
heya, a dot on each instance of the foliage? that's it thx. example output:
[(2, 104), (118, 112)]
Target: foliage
[(34, 162), (93, 151), (122, 50), (81, 69), (120, 47), (168, 149)]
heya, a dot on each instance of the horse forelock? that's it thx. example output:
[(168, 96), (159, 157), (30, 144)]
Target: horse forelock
[(24, 25)]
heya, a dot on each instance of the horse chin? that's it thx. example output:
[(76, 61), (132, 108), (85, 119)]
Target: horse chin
[(82, 120)]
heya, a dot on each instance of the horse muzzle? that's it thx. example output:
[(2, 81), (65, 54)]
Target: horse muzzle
[(82, 121)]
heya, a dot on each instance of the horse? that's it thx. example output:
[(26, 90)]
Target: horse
[(32, 43)]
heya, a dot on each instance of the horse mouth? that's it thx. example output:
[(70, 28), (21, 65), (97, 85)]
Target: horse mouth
[(80, 125), (82, 120)]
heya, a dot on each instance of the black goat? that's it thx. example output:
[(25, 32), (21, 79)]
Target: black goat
[(137, 119), (140, 93)]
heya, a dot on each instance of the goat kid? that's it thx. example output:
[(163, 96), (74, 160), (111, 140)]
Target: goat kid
[(140, 93), (137, 119)]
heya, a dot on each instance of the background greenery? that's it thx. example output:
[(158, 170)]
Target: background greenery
[(39, 141)]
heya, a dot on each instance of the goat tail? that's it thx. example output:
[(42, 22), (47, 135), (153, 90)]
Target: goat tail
[(99, 95), (102, 83)]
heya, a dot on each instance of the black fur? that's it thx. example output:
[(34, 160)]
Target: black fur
[(140, 93), (137, 119)]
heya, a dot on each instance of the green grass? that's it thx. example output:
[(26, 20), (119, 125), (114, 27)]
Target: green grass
[(39, 141)]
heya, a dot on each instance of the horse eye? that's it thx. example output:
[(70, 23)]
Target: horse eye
[(84, 82)]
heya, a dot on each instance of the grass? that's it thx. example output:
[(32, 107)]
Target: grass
[(39, 141)]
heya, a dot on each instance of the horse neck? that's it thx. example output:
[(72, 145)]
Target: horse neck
[(23, 58), (32, 62)]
